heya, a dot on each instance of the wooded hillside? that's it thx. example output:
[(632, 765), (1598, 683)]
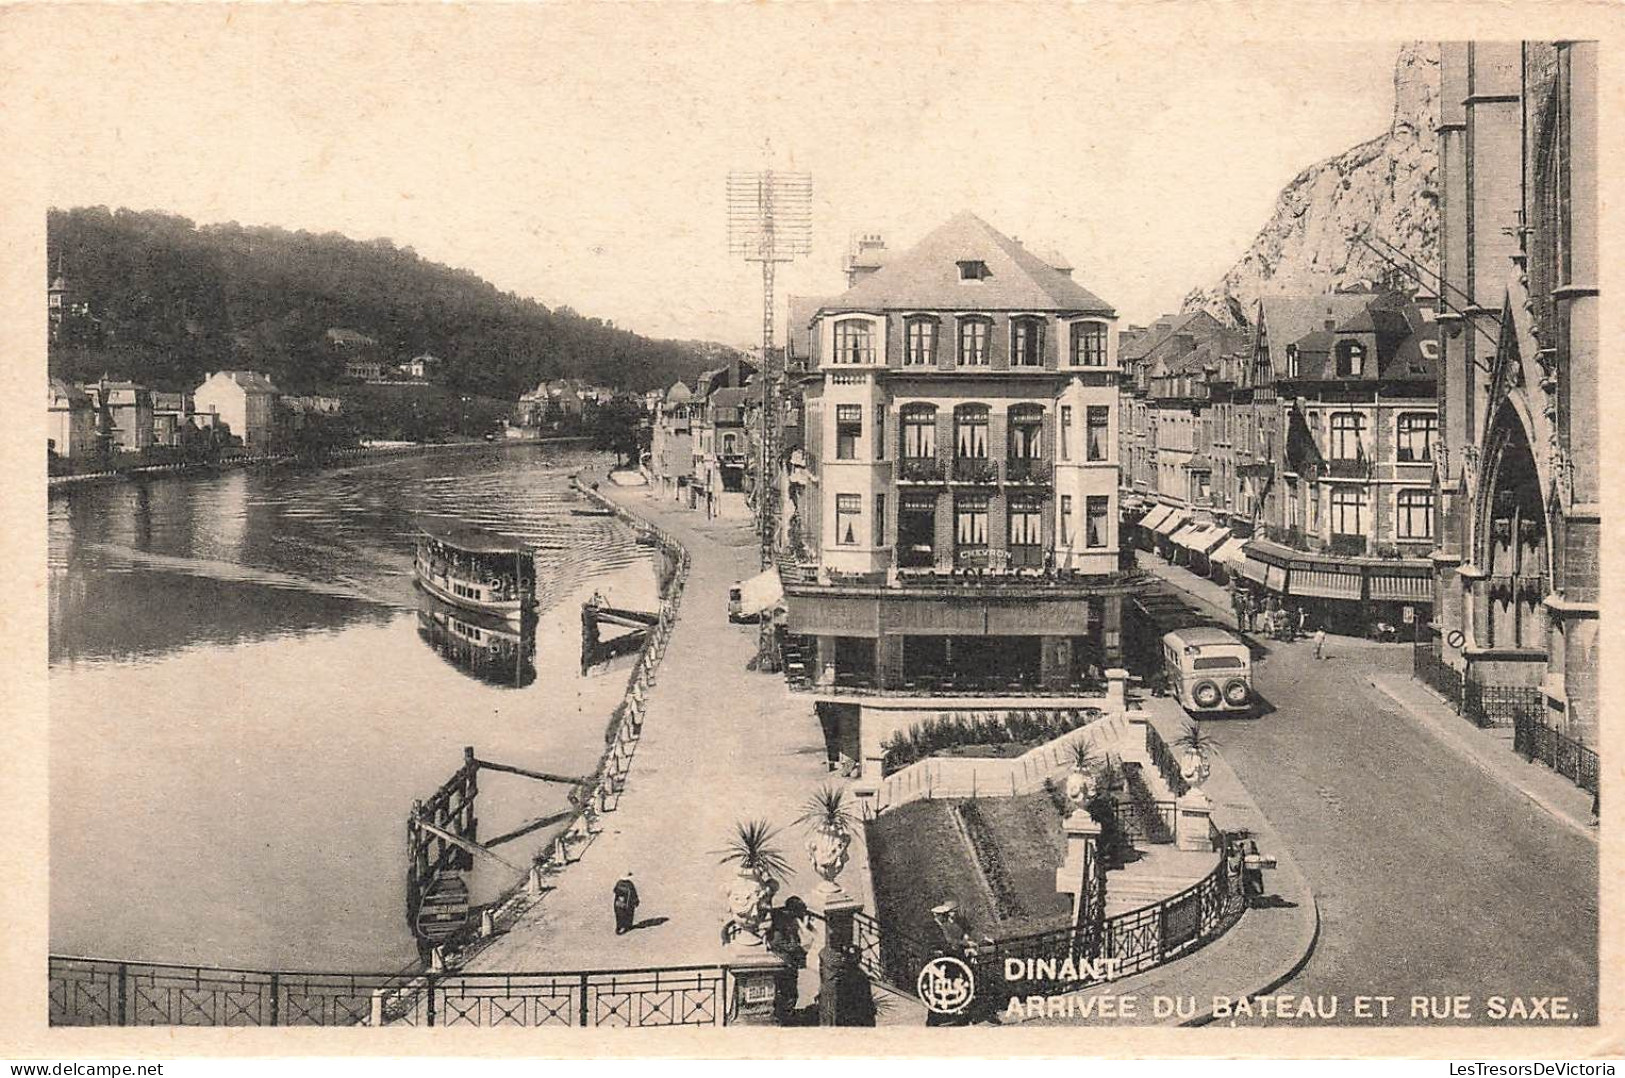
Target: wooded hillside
[(168, 301)]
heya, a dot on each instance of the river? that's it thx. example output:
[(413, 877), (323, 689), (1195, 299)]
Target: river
[(247, 692)]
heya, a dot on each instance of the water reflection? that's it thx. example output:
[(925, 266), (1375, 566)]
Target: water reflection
[(243, 707), (491, 649)]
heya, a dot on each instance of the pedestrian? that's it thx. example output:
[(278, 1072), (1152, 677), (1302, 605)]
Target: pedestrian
[(1252, 873), (1320, 643), (626, 904), (1303, 619)]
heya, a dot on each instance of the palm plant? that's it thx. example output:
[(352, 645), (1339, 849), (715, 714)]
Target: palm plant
[(828, 810), (1196, 740), (1084, 756), (752, 849)]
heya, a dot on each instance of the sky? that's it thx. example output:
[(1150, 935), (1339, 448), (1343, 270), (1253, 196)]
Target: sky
[(578, 154)]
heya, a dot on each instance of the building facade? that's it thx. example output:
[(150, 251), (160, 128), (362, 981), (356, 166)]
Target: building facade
[(72, 430), (246, 401), (958, 510), (1516, 574)]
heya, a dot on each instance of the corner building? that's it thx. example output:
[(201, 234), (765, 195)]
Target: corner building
[(1516, 572), (958, 526)]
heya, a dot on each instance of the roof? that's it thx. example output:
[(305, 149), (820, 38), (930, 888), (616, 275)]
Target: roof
[(1288, 319), (251, 381), (58, 389), (678, 393), (926, 276), (1203, 635), (731, 397), (798, 333), (471, 539), (169, 402)]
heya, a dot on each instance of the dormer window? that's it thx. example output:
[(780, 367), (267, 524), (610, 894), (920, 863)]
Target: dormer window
[(854, 341), (973, 270), (1350, 359)]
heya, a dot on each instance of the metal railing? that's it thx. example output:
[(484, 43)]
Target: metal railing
[(94, 992), (1574, 760), (920, 470), (975, 470), (1032, 470), (1137, 939), (1487, 706), (947, 685), (1162, 757), (1429, 667)]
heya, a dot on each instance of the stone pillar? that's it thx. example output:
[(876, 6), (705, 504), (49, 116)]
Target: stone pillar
[(837, 965), (1192, 829), (1083, 876), (871, 733), (824, 661), (1111, 630), (1116, 691), (889, 660), (754, 975)]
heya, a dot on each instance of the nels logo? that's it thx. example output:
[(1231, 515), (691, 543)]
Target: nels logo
[(946, 985)]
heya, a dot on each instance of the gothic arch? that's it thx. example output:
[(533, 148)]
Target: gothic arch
[(1513, 539)]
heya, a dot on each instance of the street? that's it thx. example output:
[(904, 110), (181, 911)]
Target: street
[(1433, 879)]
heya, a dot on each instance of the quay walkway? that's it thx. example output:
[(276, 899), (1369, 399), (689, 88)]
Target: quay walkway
[(721, 744)]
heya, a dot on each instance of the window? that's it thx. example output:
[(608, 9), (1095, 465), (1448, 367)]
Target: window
[(1066, 432), (973, 342), (919, 432), (1347, 436), (1348, 510), (1026, 433), (970, 432), (1291, 361), (848, 429), (880, 432), (847, 509), (970, 522), (1098, 420), (1066, 520), (1095, 508), (854, 341), (880, 520), (922, 342), (973, 270), (1088, 344), (1350, 359), (1026, 535), (1416, 431), (1414, 519), (1026, 342), (1314, 507)]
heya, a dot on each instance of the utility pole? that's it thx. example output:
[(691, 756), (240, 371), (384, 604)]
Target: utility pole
[(769, 221)]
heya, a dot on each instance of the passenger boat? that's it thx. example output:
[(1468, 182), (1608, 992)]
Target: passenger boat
[(496, 650), (476, 570)]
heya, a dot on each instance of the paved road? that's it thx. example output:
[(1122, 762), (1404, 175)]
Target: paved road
[(1432, 878)]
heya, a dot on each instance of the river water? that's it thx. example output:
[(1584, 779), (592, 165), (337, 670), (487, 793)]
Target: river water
[(247, 692)]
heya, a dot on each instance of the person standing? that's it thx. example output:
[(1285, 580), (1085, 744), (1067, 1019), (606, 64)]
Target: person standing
[(1320, 643), (626, 904), (1303, 620)]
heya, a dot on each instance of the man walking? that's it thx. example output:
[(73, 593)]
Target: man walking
[(1320, 643), (626, 904)]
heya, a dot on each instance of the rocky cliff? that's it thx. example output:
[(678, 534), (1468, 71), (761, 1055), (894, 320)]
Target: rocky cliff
[(1386, 186)]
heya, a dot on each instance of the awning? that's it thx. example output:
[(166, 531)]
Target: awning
[(1171, 523), (1156, 516), (1325, 583), (1183, 536), (1275, 580), (1401, 589), (761, 592), (1254, 569), (1210, 538), (1232, 552)]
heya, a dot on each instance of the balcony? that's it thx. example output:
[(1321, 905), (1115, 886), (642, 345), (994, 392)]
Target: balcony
[(920, 470), (1348, 546), (975, 470), (1348, 469), (1029, 471)]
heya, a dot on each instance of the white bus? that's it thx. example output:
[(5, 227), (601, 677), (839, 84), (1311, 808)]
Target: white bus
[(1208, 670)]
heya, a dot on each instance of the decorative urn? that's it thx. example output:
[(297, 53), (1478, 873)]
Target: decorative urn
[(1194, 767), (1079, 788), (829, 848), (749, 897)]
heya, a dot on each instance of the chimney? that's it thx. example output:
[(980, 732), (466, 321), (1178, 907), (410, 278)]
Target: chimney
[(866, 256)]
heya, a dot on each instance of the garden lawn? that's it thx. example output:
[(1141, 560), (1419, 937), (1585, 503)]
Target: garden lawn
[(919, 857)]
